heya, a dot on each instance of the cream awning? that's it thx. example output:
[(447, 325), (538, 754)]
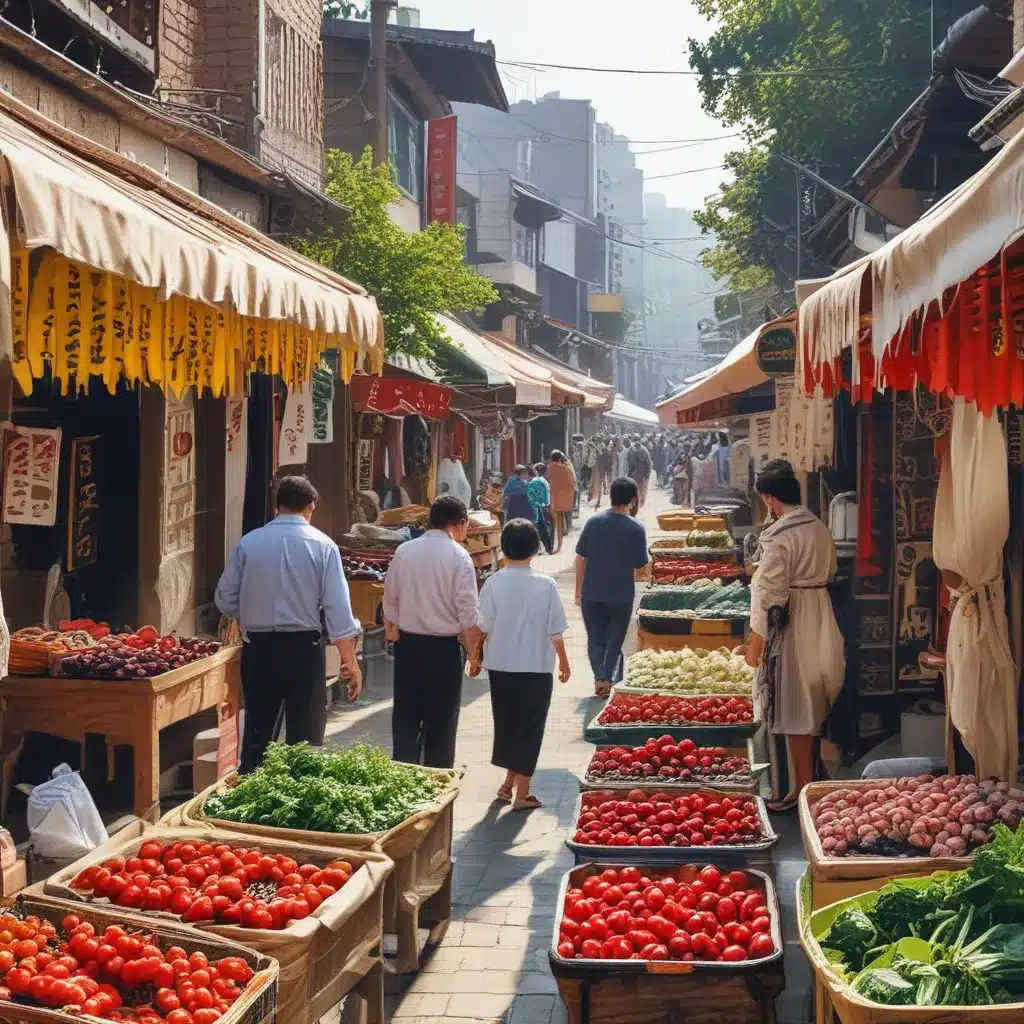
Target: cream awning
[(113, 214), (631, 413)]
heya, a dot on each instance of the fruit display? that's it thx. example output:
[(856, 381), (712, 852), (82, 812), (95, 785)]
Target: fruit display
[(651, 818), (114, 973), (137, 655), (205, 881), (357, 790), (687, 914), (669, 761), (365, 567), (948, 816), (674, 569), (702, 599), (690, 670), (720, 539), (660, 709)]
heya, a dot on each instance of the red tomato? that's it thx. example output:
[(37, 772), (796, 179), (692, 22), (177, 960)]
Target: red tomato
[(761, 945)]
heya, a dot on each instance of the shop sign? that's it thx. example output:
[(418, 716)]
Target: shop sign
[(365, 467), (776, 352), (32, 459), (179, 479), (442, 156), (1015, 438), (235, 458), (292, 448), (323, 402), (762, 428), (398, 396), (84, 504)]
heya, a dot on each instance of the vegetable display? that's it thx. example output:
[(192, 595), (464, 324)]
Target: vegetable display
[(719, 539), (651, 818), (668, 760), (365, 567), (718, 671), (690, 914), (214, 882), (114, 974), (941, 817), (703, 599), (137, 655), (355, 790), (947, 940), (626, 709), (673, 569)]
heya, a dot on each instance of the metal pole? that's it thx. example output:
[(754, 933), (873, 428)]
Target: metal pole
[(379, 12)]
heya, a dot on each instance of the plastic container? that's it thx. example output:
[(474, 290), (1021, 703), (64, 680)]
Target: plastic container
[(636, 734)]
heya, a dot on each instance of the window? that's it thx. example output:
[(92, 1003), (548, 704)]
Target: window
[(526, 245), (405, 148)]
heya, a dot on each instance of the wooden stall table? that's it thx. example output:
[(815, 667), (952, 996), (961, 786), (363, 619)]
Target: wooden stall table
[(123, 711)]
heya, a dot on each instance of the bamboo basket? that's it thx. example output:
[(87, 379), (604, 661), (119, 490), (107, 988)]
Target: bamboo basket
[(322, 958)]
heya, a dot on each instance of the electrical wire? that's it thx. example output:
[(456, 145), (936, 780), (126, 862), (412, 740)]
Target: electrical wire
[(678, 174), (853, 69)]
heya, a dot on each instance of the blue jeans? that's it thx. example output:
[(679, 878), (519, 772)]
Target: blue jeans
[(606, 623)]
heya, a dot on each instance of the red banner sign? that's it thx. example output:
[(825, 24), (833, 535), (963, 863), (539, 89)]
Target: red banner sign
[(396, 396), (442, 155)]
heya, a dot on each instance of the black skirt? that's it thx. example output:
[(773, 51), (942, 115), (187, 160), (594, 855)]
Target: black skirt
[(519, 704)]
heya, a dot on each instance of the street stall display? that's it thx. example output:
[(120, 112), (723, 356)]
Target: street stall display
[(689, 671), (317, 910), (670, 566), (669, 763), (706, 719), (706, 598), (356, 798)]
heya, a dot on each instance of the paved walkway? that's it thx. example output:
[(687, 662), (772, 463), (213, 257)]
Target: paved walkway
[(492, 965)]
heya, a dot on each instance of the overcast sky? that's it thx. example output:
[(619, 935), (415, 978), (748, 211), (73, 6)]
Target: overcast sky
[(657, 109)]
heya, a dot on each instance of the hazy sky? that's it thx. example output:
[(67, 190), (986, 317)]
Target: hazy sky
[(658, 109)]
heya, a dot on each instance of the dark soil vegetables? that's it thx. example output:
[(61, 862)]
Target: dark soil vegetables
[(925, 816), (688, 914), (666, 759), (651, 818), (655, 709), (138, 655)]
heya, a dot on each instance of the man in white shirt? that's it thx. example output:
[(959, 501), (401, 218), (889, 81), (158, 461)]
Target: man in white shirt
[(430, 604)]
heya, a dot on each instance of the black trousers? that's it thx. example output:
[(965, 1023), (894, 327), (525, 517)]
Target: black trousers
[(282, 670), (428, 695), (519, 707), (607, 623)]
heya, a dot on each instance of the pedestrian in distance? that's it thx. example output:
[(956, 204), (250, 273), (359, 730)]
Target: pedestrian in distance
[(638, 463), (610, 555), (520, 629), (284, 584), (563, 492), (539, 492), (514, 498), (430, 607)]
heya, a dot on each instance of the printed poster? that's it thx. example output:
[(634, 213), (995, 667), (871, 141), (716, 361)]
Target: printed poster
[(85, 504), (323, 405), (762, 429), (179, 479), (293, 445), (32, 458), (235, 457)]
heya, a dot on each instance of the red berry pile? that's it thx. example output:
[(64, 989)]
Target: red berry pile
[(114, 974), (655, 709), (215, 882), (687, 914), (666, 759), (647, 818)]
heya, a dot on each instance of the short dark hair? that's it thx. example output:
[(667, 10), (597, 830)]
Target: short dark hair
[(447, 511), (557, 456), (519, 540), (623, 491), (778, 480), (295, 493), (540, 469)]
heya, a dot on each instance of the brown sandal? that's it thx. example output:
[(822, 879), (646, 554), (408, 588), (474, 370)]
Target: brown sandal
[(504, 794), (529, 803), (603, 690)]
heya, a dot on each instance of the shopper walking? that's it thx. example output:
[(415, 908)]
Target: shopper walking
[(638, 463), (563, 491), (521, 623), (430, 604), (539, 492), (285, 586), (610, 555), (514, 498)]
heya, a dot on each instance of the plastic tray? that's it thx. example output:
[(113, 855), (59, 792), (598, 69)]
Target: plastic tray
[(637, 734), (560, 967), (673, 625), (668, 855)]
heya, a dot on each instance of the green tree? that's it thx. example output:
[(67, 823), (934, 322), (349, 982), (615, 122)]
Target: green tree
[(358, 9), (819, 81), (412, 275)]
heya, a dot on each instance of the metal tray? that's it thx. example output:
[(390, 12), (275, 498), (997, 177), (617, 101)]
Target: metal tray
[(667, 855), (560, 967), (742, 784), (637, 734)]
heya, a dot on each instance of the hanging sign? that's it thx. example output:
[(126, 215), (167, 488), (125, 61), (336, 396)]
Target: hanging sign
[(83, 504), (365, 468), (179, 479), (396, 396), (292, 447), (762, 428), (776, 352), (235, 457), (442, 156), (32, 459), (322, 431)]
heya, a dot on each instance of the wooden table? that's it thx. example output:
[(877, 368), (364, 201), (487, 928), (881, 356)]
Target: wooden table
[(125, 712)]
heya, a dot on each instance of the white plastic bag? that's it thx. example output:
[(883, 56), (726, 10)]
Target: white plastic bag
[(62, 817)]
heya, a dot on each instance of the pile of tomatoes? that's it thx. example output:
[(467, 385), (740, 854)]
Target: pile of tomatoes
[(200, 881), (656, 709), (666, 759), (114, 974), (687, 914), (646, 818)]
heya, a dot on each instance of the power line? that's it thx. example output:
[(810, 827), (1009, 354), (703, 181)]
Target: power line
[(853, 69), (677, 174)]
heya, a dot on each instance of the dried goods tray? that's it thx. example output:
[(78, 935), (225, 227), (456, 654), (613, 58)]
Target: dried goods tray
[(694, 554), (668, 855), (635, 734), (824, 868), (560, 966), (739, 783), (675, 625)]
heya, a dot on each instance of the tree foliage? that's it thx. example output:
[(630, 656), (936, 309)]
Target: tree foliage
[(342, 9), (839, 74), (413, 275)]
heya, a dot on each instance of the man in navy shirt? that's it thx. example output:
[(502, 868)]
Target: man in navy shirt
[(610, 555)]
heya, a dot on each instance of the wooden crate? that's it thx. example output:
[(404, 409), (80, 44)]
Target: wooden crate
[(367, 598), (702, 641), (322, 958)]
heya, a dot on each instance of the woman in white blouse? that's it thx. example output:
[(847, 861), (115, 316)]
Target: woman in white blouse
[(521, 622)]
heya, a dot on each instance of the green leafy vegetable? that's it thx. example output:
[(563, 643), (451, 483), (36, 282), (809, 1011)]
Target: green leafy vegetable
[(853, 934), (884, 985)]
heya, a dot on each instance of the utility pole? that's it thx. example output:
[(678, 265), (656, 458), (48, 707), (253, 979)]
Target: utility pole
[(380, 10)]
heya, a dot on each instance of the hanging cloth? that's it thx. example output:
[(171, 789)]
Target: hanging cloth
[(972, 522)]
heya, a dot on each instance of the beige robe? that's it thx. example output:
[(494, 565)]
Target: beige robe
[(798, 557)]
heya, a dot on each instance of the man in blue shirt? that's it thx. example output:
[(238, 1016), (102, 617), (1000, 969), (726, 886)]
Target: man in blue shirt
[(284, 584), (610, 555)]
